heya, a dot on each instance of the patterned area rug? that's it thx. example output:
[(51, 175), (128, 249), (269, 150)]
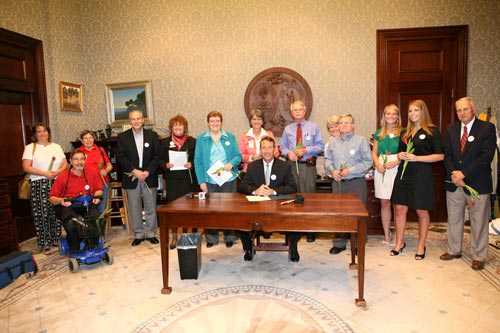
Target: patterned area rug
[(247, 309), (491, 271), (49, 268), (437, 236)]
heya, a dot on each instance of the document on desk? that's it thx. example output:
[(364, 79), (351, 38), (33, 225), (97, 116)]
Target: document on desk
[(178, 159), (252, 198)]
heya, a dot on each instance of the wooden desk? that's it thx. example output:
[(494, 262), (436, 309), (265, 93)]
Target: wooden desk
[(321, 212)]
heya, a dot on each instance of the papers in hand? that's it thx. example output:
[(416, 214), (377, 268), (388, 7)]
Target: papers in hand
[(178, 159), (218, 174)]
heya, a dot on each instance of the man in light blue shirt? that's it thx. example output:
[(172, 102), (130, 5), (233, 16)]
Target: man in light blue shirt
[(347, 159), (302, 150)]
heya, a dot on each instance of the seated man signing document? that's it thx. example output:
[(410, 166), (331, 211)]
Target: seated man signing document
[(266, 177)]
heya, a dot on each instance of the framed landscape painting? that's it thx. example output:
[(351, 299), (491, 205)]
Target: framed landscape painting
[(70, 96), (125, 97)]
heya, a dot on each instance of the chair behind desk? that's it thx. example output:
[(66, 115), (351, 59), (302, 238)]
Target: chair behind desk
[(268, 246)]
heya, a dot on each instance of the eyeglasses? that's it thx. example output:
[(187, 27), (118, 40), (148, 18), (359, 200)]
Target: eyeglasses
[(298, 110), (346, 123)]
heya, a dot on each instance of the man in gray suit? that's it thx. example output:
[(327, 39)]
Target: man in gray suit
[(469, 148)]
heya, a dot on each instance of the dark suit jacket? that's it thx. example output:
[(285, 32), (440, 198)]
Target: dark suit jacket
[(283, 182), (475, 161), (128, 157)]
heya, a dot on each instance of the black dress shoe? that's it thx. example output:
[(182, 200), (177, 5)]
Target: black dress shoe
[(137, 241), (229, 244), (397, 252), (248, 255), (153, 240), (336, 250), (311, 237), (294, 256), (210, 244)]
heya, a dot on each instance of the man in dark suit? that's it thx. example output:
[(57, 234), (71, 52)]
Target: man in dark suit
[(138, 151), (267, 177), (469, 148)]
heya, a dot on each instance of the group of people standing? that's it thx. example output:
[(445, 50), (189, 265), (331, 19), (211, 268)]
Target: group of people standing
[(467, 151), (402, 159)]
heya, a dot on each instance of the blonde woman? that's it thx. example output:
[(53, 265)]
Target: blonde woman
[(332, 126), (414, 184), (385, 160)]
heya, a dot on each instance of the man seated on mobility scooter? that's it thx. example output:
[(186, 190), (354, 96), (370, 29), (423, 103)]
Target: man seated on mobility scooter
[(76, 194)]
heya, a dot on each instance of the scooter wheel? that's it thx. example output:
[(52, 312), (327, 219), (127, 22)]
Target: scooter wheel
[(73, 265), (108, 258)]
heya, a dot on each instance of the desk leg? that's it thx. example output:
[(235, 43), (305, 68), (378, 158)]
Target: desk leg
[(354, 245), (360, 301), (164, 231)]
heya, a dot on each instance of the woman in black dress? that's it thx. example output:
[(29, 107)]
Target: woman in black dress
[(414, 184), (180, 179)]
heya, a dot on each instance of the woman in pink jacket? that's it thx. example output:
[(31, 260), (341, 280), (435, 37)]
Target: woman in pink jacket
[(250, 140)]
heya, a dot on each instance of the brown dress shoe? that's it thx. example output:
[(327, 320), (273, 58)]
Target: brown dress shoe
[(477, 265), (448, 256)]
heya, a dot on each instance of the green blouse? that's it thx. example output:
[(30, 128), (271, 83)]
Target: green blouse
[(387, 144)]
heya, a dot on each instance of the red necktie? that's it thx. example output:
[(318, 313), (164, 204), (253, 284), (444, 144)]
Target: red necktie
[(298, 137), (464, 139)]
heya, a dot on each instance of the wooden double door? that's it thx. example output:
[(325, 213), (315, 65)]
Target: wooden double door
[(23, 103), (428, 64)]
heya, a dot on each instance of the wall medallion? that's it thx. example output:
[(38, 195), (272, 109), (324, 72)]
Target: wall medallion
[(272, 91)]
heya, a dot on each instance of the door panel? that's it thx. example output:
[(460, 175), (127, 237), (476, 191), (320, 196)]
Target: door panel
[(17, 66), (14, 108), (23, 102), (428, 64)]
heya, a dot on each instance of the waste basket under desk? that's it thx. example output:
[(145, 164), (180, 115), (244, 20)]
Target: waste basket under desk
[(189, 254)]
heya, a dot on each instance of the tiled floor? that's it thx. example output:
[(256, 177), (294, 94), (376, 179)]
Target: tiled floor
[(403, 295)]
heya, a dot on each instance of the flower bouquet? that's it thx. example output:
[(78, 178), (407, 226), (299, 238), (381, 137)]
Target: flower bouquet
[(409, 150), (99, 167), (51, 164), (133, 177), (384, 159), (189, 170), (473, 193), (297, 147), (101, 219), (221, 169), (342, 167)]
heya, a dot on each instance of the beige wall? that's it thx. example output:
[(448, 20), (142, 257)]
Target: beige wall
[(200, 54)]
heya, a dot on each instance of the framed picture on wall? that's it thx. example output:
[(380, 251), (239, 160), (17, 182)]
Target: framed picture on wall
[(70, 96), (125, 97)]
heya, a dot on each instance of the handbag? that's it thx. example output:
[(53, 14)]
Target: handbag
[(24, 186)]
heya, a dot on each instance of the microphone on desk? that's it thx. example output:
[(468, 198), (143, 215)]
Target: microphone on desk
[(201, 195), (298, 200)]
